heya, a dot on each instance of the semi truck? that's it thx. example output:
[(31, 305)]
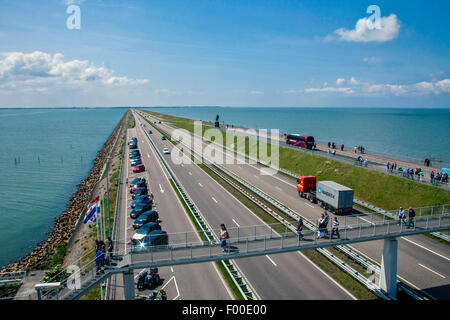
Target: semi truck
[(329, 195)]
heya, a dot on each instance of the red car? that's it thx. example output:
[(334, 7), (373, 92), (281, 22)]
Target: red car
[(139, 168)]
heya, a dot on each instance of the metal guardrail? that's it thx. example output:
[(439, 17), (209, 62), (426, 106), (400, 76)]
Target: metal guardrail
[(232, 269), (7, 278)]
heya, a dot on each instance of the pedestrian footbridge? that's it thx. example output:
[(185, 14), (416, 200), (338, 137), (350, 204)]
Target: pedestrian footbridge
[(244, 242)]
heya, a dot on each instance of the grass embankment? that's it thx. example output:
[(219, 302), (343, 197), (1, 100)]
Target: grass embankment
[(385, 191)]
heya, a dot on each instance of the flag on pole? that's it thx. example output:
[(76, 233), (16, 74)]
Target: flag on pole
[(91, 214)]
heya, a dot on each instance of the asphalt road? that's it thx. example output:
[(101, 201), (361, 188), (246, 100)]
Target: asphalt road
[(189, 282), (282, 276), (423, 262)]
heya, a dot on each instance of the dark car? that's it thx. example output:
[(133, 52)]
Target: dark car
[(134, 154), (163, 138), (138, 182), (141, 200), (133, 146), (145, 230), (137, 185), (139, 192), (145, 218), (154, 238), (139, 209), (150, 131)]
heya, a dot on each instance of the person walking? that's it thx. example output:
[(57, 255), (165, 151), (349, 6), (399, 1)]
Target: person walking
[(366, 162), (326, 219), (342, 147), (300, 228), (223, 235), (355, 148), (163, 294), (110, 248), (320, 226), (99, 261), (411, 215), (401, 216), (387, 166), (335, 228)]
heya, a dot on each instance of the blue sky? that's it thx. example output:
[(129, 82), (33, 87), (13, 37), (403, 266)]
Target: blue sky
[(227, 53)]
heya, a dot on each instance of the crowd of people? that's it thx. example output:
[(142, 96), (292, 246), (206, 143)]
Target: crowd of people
[(322, 227), (438, 177)]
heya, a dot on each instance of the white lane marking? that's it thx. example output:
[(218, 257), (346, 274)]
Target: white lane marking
[(148, 156), (328, 276), (278, 188), (273, 262), (200, 184), (182, 165), (440, 275), (176, 286), (161, 189), (438, 254), (256, 176), (190, 173), (171, 269), (214, 200), (309, 204), (236, 222)]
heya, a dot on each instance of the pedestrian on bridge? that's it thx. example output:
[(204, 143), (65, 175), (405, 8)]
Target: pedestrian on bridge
[(223, 234), (300, 228), (401, 216), (99, 260), (335, 228), (411, 215)]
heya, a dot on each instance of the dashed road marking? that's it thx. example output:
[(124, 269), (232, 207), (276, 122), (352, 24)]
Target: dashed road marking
[(161, 189), (200, 184), (438, 254), (236, 222), (190, 173), (214, 200), (309, 205)]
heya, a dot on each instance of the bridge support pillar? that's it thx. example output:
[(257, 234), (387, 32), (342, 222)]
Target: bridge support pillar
[(128, 285), (388, 277)]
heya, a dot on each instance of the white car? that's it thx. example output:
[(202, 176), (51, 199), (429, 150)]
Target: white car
[(166, 151)]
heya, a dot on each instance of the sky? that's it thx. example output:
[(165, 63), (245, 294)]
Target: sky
[(224, 53)]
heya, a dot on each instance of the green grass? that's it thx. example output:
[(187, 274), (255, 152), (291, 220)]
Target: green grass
[(385, 191)]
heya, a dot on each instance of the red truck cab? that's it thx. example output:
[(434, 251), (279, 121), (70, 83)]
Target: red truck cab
[(306, 184)]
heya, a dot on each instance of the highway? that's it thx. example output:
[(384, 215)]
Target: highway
[(189, 282), (423, 262), (284, 276)]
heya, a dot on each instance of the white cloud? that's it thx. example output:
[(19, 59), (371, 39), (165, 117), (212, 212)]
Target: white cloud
[(387, 89), (331, 89), (40, 70), (353, 81), (365, 32), (340, 81), (371, 59), (255, 92)]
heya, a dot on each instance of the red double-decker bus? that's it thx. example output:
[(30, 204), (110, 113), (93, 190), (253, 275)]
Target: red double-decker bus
[(300, 140)]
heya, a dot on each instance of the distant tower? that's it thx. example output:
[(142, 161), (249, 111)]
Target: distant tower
[(216, 124)]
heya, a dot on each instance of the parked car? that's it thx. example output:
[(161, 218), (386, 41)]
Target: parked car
[(150, 131), (163, 138), (166, 151), (141, 184), (154, 238), (145, 230), (138, 209), (138, 181), (139, 168), (134, 154), (141, 199), (139, 192), (133, 146), (136, 161), (146, 218)]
